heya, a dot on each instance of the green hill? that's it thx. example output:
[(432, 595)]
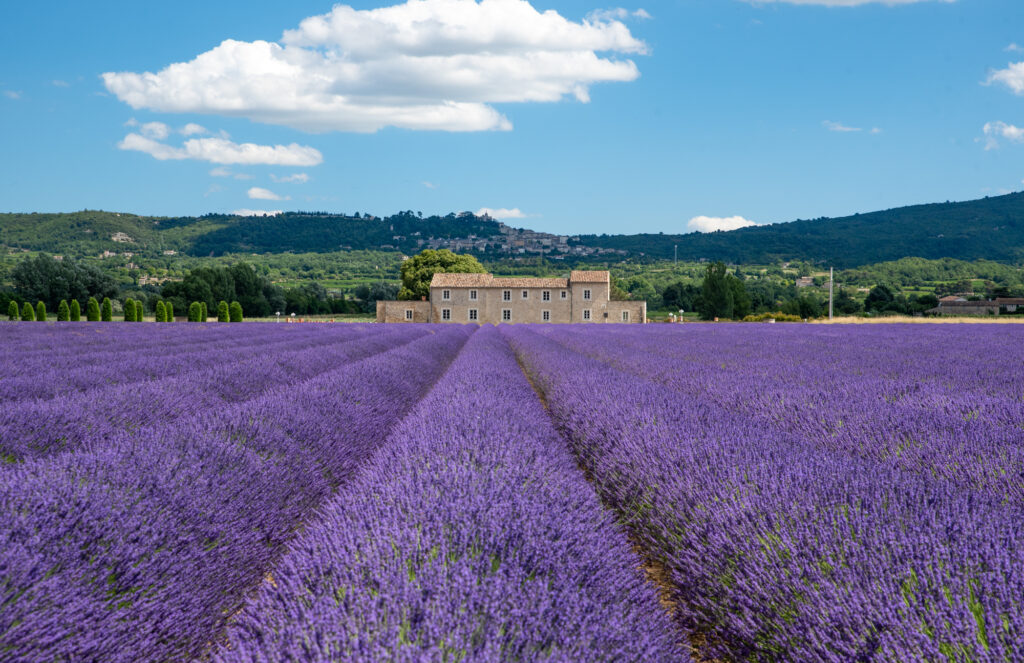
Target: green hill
[(989, 229)]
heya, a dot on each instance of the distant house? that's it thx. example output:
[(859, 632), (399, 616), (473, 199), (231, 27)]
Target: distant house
[(1010, 303), (951, 298), (804, 282), (481, 298), (964, 307), (121, 237)]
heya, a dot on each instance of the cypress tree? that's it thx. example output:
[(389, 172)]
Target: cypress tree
[(107, 313), (41, 312), (204, 314), (92, 310), (63, 311), (76, 311), (129, 310), (193, 312), (236, 312), (140, 310), (222, 312), (160, 312), (169, 312), (28, 314), (12, 311)]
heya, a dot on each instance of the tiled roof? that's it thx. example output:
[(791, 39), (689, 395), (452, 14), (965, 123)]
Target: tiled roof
[(530, 283), (444, 280), (589, 277), (1004, 301)]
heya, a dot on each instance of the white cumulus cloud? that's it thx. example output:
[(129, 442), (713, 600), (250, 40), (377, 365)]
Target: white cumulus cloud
[(297, 177), (192, 129), (257, 212), (995, 130), (1012, 77), (259, 193), (223, 151), (502, 213), (421, 65), (709, 224)]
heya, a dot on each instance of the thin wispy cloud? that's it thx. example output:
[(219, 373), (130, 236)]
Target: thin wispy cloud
[(223, 171), (1012, 77), (421, 65), (430, 185), (710, 224), (839, 127), (297, 177), (223, 151), (1014, 48), (12, 94), (259, 193), (994, 131), (60, 83)]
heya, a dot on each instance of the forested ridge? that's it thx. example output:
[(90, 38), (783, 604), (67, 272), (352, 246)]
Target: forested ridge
[(989, 228)]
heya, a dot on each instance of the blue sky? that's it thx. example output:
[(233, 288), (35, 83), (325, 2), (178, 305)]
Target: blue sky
[(593, 118)]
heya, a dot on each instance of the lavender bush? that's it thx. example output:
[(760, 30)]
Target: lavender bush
[(469, 535)]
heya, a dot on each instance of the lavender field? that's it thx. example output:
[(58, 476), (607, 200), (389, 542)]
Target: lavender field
[(744, 492)]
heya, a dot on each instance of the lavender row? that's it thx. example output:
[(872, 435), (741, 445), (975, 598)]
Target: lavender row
[(780, 550), (950, 425), (41, 427), (131, 362), (470, 535), (142, 549), (33, 343)]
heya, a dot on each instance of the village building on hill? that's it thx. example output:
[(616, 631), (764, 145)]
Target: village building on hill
[(584, 297)]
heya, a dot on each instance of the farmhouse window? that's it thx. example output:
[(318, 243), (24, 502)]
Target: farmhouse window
[(506, 315), (564, 294), (545, 316), (408, 314), (472, 295), (586, 314), (446, 294), (446, 314), (625, 316), (506, 295), (586, 294), (472, 315), (526, 294), (546, 295)]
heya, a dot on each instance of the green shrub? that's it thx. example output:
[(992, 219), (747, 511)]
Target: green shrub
[(63, 311), (41, 312), (160, 312), (222, 312), (204, 314), (129, 310), (107, 314), (28, 314), (92, 310), (169, 312), (12, 310), (236, 312), (76, 311), (140, 311), (777, 316), (194, 310)]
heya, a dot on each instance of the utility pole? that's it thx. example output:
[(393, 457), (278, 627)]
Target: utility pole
[(675, 254), (829, 293)]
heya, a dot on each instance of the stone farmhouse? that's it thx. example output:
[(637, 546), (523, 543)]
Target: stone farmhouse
[(482, 298)]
